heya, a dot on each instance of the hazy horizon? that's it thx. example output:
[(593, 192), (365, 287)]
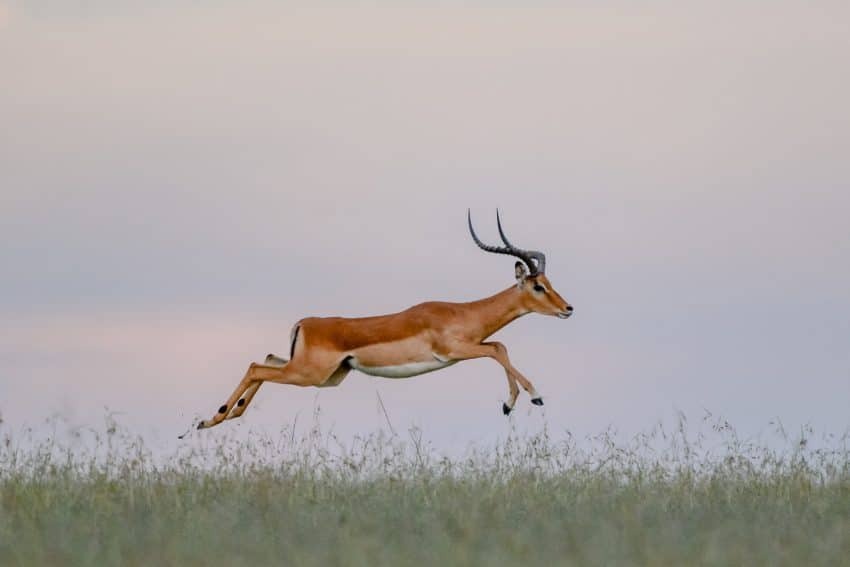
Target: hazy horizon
[(180, 183)]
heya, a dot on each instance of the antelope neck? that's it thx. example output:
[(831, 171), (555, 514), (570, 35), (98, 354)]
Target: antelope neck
[(498, 310)]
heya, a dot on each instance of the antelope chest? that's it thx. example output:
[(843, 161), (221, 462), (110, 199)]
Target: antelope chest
[(400, 370)]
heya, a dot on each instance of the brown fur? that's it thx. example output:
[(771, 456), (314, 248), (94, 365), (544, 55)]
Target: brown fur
[(447, 332)]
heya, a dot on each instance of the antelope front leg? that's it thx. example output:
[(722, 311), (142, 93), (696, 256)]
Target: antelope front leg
[(499, 353), (536, 399)]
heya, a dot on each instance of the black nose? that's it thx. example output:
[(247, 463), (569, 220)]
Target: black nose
[(569, 308)]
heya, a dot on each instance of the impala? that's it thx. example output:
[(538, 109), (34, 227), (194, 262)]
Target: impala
[(426, 337)]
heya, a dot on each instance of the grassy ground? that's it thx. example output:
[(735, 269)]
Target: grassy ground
[(659, 499)]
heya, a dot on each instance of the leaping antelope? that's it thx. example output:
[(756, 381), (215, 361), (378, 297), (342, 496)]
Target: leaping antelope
[(426, 337)]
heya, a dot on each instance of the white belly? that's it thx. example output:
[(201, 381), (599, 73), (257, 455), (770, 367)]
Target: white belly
[(400, 370)]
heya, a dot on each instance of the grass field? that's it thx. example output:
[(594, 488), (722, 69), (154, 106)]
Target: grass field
[(656, 499)]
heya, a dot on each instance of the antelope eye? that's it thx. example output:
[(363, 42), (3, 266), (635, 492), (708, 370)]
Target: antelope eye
[(540, 288)]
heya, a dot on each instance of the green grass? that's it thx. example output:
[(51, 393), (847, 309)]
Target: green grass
[(657, 499)]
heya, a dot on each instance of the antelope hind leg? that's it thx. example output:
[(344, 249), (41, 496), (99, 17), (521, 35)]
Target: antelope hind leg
[(245, 400), (256, 373), (313, 373)]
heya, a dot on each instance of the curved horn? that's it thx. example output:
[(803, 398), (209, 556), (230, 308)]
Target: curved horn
[(526, 256), (502, 232), (538, 256), (480, 244)]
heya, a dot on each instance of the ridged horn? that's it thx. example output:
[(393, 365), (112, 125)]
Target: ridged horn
[(536, 261)]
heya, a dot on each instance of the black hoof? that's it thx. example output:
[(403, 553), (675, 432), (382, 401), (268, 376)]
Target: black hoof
[(200, 425), (537, 401), (506, 409)]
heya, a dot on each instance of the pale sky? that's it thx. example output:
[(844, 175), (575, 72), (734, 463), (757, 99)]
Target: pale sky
[(180, 182)]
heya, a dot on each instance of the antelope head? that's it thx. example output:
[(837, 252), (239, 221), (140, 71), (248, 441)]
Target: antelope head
[(538, 295)]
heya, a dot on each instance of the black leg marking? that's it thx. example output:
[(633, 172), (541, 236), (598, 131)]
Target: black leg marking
[(222, 409), (241, 402), (200, 425), (537, 401), (506, 409)]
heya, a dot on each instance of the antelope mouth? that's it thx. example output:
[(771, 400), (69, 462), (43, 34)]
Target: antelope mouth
[(564, 314)]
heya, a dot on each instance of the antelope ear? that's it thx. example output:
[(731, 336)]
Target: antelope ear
[(521, 273)]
